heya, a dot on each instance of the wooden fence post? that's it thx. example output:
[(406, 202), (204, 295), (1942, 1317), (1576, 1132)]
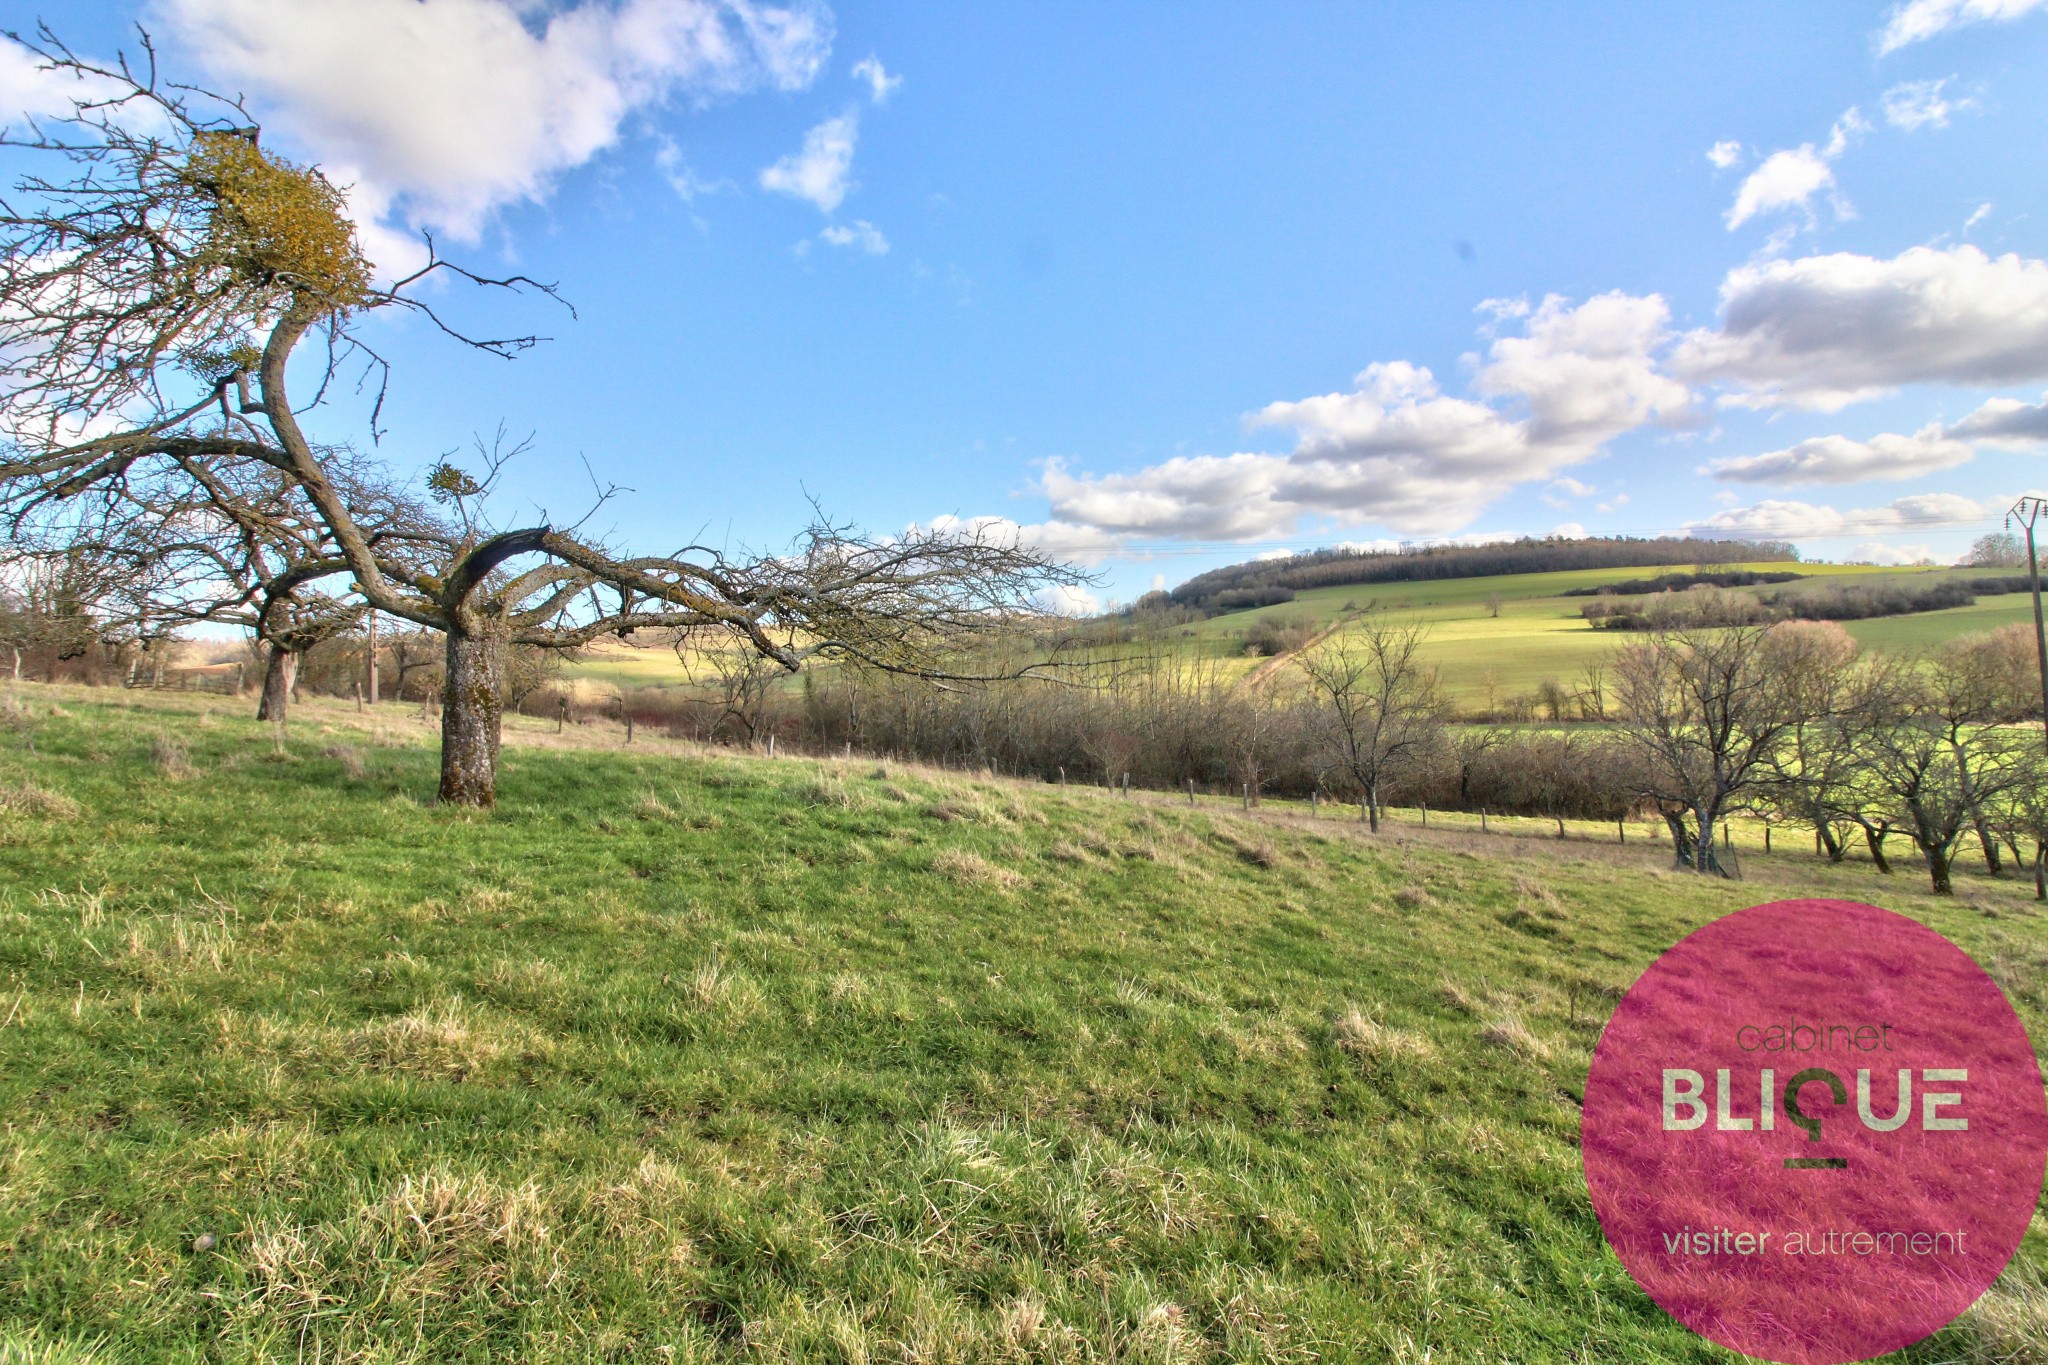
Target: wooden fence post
[(1425, 815), (1191, 791), (1482, 819), (561, 713)]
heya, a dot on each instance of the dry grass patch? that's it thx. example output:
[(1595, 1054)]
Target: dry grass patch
[(1250, 846), (971, 869), (1358, 1033), (30, 799), (1506, 1030), (169, 757), (349, 757)]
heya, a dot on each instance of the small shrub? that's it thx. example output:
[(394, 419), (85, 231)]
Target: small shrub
[(349, 756)]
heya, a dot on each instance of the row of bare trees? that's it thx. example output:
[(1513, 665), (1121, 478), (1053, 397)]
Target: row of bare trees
[(1786, 721)]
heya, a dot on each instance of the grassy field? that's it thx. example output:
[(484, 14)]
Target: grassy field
[(1540, 634), (678, 1056)]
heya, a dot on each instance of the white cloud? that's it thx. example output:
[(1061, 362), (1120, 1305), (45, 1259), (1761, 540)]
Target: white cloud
[(439, 113), (1569, 530), (1919, 104), (1159, 582), (1725, 155), (1785, 180), (2006, 423), (1282, 553), (1791, 179), (26, 89), (881, 84), (1877, 552), (687, 184), (1840, 459), (1982, 212), (1917, 20), (1776, 519), (819, 172), (1395, 450), (861, 233), (1573, 487), (1067, 599), (1076, 544), (1825, 331)]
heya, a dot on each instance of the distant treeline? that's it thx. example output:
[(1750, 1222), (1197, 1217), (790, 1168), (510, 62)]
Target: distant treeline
[(1678, 582), (1265, 582), (1844, 602)]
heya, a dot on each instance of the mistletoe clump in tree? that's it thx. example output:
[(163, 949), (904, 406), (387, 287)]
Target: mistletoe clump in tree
[(152, 303)]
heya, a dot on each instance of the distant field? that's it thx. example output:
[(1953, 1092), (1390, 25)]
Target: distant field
[(1539, 634), (683, 1056)]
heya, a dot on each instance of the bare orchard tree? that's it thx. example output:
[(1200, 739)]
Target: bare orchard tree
[(1812, 772), (1933, 765), (1706, 708), (741, 680), (156, 295), (1377, 712)]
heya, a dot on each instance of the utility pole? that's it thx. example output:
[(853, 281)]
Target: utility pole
[(2027, 511)]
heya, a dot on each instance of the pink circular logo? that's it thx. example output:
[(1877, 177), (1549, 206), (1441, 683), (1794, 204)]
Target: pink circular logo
[(1814, 1131)]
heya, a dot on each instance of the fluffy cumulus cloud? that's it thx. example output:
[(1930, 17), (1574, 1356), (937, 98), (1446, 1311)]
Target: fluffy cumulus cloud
[(1824, 331), (2006, 423), (1917, 20), (1396, 450), (1840, 459), (821, 171), (439, 112), (1791, 179), (1775, 519)]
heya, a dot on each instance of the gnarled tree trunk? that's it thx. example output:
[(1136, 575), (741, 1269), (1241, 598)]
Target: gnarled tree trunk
[(280, 677), (472, 713)]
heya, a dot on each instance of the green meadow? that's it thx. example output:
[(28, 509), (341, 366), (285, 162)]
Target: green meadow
[(680, 1056)]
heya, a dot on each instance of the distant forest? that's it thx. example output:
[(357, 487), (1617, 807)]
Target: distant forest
[(1261, 583)]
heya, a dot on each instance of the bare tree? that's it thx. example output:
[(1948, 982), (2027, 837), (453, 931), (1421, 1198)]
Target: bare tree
[(1706, 709), (158, 294), (742, 681), (1378, 711), (1934, 764), (1813, 771)]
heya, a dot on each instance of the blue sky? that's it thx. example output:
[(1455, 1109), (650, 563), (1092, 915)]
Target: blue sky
[(1160, 283)]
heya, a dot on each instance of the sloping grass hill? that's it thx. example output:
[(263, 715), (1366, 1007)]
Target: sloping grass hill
[(682, 1057)]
